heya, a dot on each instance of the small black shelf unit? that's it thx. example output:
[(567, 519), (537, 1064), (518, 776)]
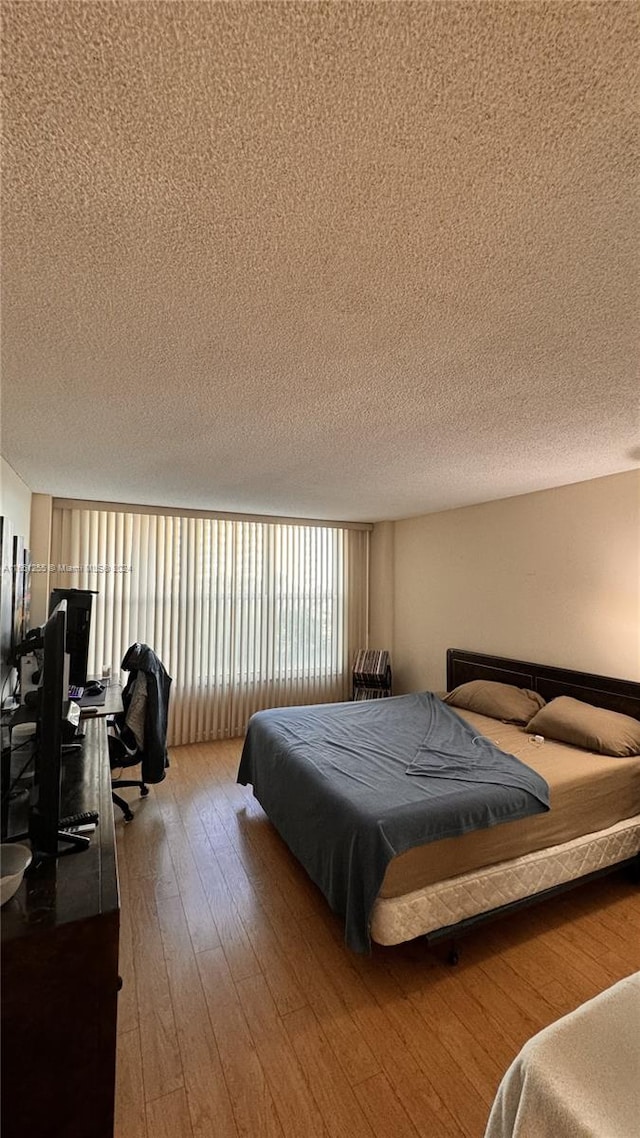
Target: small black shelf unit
[(371, 674)]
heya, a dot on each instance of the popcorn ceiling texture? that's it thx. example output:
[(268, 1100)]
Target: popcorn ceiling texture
[(343, 260)]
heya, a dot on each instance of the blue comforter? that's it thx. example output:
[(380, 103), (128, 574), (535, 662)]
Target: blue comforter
[(349, 786)]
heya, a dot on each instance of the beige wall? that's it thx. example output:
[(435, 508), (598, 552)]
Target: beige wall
[(41, 515), (31, 518), (15, 500), (553, 577), (381, 602)]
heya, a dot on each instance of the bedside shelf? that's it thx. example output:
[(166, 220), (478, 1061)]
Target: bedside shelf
[(371, 674)]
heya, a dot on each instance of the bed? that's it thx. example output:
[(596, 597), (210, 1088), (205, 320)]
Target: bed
[(392, 881), (579, 1076)]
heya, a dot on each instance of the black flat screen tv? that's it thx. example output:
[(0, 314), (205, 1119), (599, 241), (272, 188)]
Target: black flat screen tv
[(44, 816)]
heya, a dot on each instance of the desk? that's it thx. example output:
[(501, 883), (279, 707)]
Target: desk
[(27, 717), (60, 970)]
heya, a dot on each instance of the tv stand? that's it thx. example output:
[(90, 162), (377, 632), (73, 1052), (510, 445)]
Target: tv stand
[(60, 968), (74, 842)]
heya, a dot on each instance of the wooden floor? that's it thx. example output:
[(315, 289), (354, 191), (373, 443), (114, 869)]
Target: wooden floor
[(243, 1014)]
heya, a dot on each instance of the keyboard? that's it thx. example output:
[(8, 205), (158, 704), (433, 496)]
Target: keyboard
[(75, 692)]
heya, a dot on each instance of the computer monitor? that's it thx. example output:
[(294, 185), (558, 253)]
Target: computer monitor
[(44, 814), (79, 602)]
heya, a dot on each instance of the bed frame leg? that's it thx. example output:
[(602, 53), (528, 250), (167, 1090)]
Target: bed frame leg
[(453, 956)]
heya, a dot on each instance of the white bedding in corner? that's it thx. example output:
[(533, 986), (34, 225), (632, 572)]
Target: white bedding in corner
[(579, 1077)]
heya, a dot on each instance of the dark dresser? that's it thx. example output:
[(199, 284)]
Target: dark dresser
[(60, 970)]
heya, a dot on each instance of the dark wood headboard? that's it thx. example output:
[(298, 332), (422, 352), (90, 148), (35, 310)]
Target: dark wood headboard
[(617, 695)]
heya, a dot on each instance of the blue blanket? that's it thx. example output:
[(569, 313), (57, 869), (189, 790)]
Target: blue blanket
[(349, 786)]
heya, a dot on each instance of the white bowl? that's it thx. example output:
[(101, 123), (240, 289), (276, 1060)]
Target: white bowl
[(14, 859)]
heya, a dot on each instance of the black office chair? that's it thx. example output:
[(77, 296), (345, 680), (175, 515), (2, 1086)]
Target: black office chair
[(138, 734)]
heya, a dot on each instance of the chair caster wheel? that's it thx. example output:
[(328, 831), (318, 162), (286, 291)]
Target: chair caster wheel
[(144, 790), (453, 956), (128, 816)]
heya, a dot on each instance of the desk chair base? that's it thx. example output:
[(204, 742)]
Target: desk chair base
[(121, 802)]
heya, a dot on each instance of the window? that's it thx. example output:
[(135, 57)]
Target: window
[(244, 614)]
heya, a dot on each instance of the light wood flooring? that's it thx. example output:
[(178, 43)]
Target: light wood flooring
[(243, 1014)]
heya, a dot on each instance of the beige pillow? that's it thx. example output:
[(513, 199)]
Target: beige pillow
[(500, 701), (592, 728)]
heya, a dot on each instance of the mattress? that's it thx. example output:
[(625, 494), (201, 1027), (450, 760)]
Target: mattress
[(589, 793), (436, 906)]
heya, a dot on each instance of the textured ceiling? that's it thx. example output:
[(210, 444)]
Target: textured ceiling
[(319, 259)]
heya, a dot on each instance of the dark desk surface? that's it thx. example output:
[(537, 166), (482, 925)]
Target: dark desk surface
[(81, 884)]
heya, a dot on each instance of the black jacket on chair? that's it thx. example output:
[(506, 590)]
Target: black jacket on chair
[(153, 755)]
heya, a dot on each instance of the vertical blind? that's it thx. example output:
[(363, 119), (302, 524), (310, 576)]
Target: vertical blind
[(243, 614)]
